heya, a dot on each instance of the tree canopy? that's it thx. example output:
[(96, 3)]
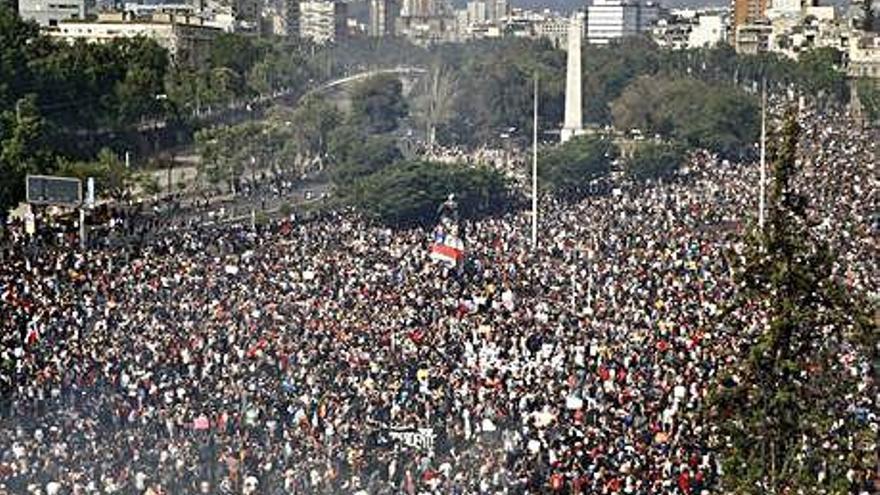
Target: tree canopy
[(652, 161), (569, 168), (721, 118), (408, 192), (378, 104), (781, 425)]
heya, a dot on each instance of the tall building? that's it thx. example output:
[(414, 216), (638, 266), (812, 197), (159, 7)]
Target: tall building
[(477, 12), (48, 14), (186, 37), (747, 12), (281, 17), (418, 8), (500, 9), (610, 19), (322, 21), (382, 16)]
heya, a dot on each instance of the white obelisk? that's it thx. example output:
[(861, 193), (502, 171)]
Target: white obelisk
[(574, 119)]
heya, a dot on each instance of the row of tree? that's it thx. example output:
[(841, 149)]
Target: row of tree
[(487, 85)]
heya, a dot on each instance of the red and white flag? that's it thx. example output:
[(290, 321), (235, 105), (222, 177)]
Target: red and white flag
[(450, 251)]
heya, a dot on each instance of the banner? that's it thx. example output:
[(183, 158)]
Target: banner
[(418, 438)]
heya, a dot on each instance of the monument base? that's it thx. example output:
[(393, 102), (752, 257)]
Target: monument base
[(567, 134)]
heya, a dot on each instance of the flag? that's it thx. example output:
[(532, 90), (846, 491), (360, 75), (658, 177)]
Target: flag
[(201, 423), (451, 251), (33, 335), (416, 336)]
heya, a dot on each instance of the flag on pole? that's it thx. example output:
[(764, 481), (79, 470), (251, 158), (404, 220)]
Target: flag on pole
[(450, 251)]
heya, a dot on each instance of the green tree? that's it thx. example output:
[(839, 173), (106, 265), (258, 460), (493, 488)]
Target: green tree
[(312, 122), (717, 117), (820, 73), (434, 103), (408, 193), (568, 169), (220, 151), (22, 151), (377, 104), (112, 179), (869, 97), (236, 52), (652, 161), (784, 425), (355, 154)]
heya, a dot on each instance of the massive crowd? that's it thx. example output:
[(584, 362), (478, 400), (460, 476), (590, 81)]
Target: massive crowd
[(333, 357)]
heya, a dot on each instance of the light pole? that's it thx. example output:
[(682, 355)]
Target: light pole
[(535, 169)]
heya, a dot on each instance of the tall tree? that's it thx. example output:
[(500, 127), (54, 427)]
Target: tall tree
[(22, 151), (785, 414), (435, 101), (378, 103)]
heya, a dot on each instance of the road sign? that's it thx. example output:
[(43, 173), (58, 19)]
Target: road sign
[(50, 190)]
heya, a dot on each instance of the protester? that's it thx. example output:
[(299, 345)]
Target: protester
[(334, 357)]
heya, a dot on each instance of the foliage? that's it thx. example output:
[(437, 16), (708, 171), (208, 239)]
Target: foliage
[(782, 412), (567, 169), (235, 52), (652, 161), (721, 118), (355, 154), (311, 124), (495, 81), (378, 104), (435, 98), (112, 179), (219, 147), (821, 76), (408, 192), (22, 141), (869, 96)]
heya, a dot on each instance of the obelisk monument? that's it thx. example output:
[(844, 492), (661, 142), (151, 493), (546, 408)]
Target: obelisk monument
[(574, 119)]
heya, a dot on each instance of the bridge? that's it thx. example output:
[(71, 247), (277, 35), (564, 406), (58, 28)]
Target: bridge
[(406, 73)]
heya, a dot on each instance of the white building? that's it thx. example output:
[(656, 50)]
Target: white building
[(555, 29), (864, 56), (477, 12), (382, 16), (281, 17), (50, 12), (610, 19), (709, 31), (321, 21), (186, 38)]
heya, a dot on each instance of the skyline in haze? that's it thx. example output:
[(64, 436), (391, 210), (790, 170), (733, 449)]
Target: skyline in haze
[(569, 5)]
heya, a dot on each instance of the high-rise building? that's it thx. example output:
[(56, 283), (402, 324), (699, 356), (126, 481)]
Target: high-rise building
[(382, 16), (281, 17), (418, 8), (482, 11), (50, 13), (747, 12), (500, 9), (610, 19), (477, 12), (322, 21)]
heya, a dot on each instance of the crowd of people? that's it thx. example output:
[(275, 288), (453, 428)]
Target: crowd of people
[(333, 356)]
